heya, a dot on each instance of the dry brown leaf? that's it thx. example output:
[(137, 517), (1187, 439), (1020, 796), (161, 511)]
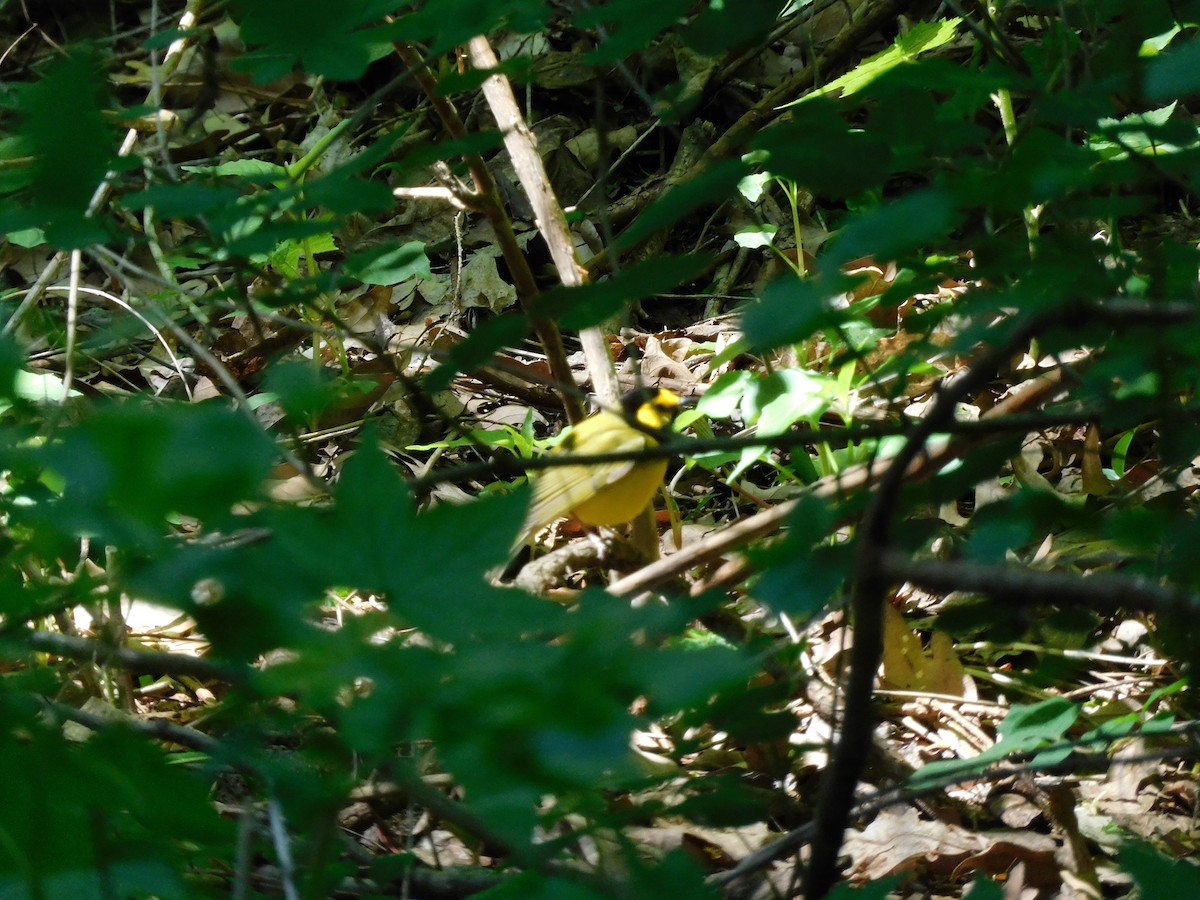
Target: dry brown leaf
[(903, 656), (657, 363), (1095, 482), (945, 669), (900, 841), (907, 665)]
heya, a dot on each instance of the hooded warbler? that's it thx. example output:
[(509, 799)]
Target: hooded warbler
[(605, 493)]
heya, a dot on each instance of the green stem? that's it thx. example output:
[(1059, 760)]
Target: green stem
[(297, 169)]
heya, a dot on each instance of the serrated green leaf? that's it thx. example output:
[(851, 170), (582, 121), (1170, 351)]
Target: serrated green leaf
[(64, 129), (921, 38)]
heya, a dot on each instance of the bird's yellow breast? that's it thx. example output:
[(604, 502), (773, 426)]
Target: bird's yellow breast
[(623, 498)]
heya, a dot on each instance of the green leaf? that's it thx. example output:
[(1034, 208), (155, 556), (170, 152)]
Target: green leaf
[(725, 801), (792, 309), (258, 171), (1152, 133), (27, 237), (383, 545), (783, 398), (772, 404), (325, 39), (802, 581), (128, 468), (752, 187), (181, 200), (66, 799), (1173, 74), (677, 677), (921, 38), (538, 886), (576, 308), (1158, 875), (724, 395), (303, 390), (816, 148), (630, 24), (448, 23), (899, 227), (1154, 45), (421, 156), (713, 185), (1178, 442), (254, 238), (484, 342), (42, 387), (389, 264), (803, 574), (757, 236), (343, 192), (1026, 727), (285, 258), (724, 24), (63, 125), (12, 359)]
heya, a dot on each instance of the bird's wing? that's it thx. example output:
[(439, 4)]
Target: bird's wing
[(558, 490)]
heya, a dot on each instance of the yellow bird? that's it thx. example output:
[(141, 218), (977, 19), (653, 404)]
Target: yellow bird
[(605, 493)]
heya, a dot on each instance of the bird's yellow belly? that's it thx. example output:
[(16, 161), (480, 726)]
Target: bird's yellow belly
[(625, 498)]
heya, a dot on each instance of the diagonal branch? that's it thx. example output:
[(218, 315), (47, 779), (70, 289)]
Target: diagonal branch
[(549, 216), (488, 199), (83, 650)]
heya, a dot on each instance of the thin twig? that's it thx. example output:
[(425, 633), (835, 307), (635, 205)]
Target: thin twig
[(487, 197), (548, 212), (283, 849), (159, 729), (83, 650), (158, 335), (874, 538), (1019, 587)]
